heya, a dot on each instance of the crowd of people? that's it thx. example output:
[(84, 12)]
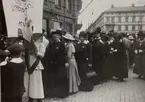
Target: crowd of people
[(59, 63)]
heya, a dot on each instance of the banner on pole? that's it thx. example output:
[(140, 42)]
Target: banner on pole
[(23, 17)]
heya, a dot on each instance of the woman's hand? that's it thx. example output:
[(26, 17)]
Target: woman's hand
[(7, 52), (135, 51), (39, 56), (66, 65), (140, 51), (115, 50)]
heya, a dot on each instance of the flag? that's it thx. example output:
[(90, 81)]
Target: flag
[(23, 17)]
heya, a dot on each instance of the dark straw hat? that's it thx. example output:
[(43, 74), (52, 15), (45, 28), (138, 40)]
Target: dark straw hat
[(58, 32)]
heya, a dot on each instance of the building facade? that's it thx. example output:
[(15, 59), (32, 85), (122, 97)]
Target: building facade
[(61, 14), (121, 19), (57, 14)]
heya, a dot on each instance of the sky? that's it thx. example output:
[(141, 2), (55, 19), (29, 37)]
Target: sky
[(92, 12)]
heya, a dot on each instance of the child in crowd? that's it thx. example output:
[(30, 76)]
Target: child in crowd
[(13, 75)]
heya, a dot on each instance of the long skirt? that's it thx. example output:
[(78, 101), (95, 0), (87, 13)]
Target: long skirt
[(36, 90), (109, 66), (86, 84), (121, 70), (73, 76), (140, 64)]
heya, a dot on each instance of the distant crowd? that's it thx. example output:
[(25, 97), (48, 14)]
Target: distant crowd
[(60, 64)]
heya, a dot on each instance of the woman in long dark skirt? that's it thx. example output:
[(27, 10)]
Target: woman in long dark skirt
[(120, 60), (82, 59), (109, 65), (140, 57)]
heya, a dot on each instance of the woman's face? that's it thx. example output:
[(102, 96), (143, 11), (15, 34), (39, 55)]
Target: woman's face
[(56, 37)]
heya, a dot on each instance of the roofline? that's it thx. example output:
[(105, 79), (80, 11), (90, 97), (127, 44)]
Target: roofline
[(115, 12), (96, 20), (124, 11)]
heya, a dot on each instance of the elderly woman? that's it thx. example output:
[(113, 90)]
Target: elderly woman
[(36, 91), (73, 76)]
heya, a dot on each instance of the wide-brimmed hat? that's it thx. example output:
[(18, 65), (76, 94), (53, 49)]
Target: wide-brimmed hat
[(68, 36)]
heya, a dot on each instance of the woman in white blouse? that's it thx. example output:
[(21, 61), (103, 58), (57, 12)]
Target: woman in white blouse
[(36, 91), (73, 76)]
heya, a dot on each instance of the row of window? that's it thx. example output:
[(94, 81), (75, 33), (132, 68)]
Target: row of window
[(58, 3), (67, 3), (57, 25), (126, 19), (127, 28)]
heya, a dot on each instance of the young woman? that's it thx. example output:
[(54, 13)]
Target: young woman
[(13, 75), (73, 76), (36, 91)]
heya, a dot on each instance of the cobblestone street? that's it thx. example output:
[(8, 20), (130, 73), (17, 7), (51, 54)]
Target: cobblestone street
[(129, 91), (132, 90)]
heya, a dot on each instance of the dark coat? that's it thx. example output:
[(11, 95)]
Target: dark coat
[(120, 61), (81, 51), (116, 62), (56, 55), (97, 56), (108, 68), (13, 80), (83, 58), (140, 59), (54, 63), (89, 54)]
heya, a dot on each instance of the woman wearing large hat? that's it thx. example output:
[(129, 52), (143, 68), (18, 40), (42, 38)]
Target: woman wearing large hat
[(73, 75)]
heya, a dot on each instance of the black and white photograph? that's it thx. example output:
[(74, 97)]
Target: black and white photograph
[(72, 50)]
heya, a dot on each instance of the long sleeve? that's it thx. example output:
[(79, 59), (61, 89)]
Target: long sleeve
[(89, 51), (42, 47), (69, 52)]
